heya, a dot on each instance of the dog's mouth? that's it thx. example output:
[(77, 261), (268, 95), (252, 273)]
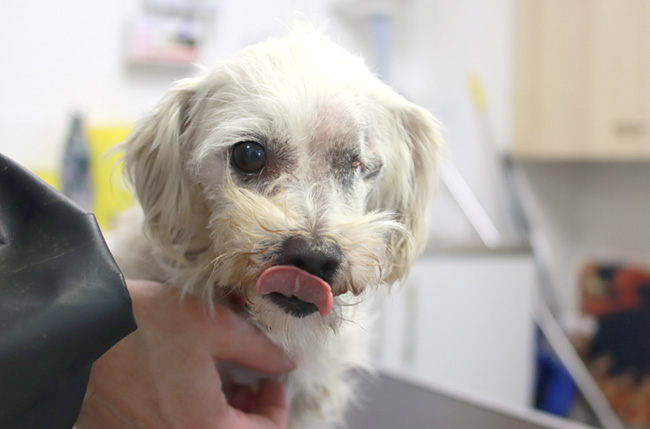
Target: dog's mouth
[(293, 305), (296, 291)]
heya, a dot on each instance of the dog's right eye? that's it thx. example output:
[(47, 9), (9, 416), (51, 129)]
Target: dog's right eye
[(248, 157)]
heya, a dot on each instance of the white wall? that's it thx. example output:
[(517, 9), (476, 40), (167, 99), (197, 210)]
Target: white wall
[(437, 46), (59, 57), (63, 56)]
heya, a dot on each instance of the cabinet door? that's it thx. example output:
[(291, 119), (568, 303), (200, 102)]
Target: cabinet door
[(464, 321), (582, 80)]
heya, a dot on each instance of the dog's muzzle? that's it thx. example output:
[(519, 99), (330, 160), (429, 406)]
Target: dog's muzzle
[(300, 282)]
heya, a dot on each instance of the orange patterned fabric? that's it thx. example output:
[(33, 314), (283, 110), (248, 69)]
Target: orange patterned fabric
[(618, 354)]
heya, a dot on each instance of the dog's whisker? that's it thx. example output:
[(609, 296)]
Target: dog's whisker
[(217, 259), (351, 322), (267, 229)]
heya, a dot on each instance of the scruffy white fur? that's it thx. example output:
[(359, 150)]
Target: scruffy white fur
[(354, 165)]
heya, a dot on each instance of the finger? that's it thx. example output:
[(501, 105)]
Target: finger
[(268, 407), (239, 341), (242, 398), (271, 402)]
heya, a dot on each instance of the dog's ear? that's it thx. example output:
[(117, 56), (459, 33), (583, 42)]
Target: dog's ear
[(153, 162), (415, 146)]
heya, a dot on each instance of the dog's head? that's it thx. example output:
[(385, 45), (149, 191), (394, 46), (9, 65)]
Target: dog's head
[(291, 175)]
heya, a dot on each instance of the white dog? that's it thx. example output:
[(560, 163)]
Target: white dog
[(285, 182)]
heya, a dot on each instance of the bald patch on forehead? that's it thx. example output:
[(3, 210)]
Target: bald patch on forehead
[(336, 127), (334, 142)]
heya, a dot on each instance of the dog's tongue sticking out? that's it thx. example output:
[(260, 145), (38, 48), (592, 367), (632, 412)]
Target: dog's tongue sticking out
[(292, 281)]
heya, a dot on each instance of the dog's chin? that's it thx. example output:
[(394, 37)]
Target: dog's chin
[(292, 325)]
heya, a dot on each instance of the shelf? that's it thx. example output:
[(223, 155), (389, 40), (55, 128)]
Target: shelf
[(578, 154)]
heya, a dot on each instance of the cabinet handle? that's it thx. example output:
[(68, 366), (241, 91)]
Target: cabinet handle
[(631, 127)]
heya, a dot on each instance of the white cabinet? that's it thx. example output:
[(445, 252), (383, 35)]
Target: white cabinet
[(463, 320)]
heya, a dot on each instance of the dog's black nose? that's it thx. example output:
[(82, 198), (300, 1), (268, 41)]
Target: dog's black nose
[(319, 258)]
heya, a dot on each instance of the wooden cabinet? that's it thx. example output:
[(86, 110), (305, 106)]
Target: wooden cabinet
[(582, 80)]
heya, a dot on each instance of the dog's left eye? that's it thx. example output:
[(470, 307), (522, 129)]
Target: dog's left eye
[(248, 157)]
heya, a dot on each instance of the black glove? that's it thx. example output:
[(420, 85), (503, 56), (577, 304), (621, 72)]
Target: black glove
[(63, 302)]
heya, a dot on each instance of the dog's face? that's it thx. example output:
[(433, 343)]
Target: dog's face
[(290, 176)]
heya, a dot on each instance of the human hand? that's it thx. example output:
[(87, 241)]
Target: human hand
[(164, 374)]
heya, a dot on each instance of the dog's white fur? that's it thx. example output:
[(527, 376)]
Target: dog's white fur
[(355, 164)]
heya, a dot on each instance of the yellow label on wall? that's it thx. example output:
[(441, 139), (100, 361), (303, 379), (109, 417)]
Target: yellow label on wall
[(111, 195)]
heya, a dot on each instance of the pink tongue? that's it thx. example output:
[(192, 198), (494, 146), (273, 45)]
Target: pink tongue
[(292, 281)]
